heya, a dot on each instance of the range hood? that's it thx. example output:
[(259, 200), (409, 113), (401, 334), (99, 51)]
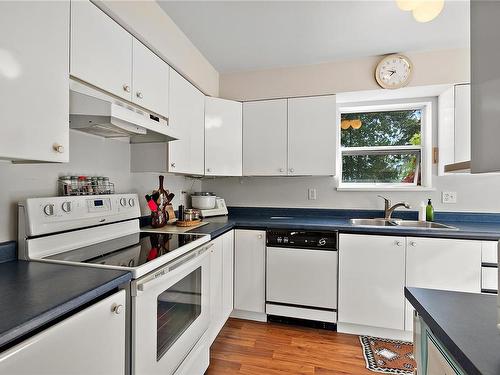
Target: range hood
[(96, 112)]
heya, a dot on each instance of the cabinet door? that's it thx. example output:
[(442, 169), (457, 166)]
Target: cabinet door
[(311, 136), (216, 254), (438, 263), (90, 342), (227, 274), (265, 138), (101, 50), (462, 123), (34, 54), (187, 117), (223, 137), (249, 270), (149, 80), (371, 280)]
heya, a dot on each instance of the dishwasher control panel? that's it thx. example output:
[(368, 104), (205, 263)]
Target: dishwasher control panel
[(321, 240)]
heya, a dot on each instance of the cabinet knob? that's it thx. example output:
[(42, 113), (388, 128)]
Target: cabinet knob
[(139, 94), (292, 170), (117, 309), (209, 169), (413, 243), (172, 165), (398, 243), (58, 148), (126, 88), (260, 236), (282, 169)]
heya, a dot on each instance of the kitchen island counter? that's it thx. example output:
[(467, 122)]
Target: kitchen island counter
[(36, 294), (464, 323)]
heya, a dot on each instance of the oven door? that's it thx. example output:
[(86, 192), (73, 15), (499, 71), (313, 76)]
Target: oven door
[(170, 313)]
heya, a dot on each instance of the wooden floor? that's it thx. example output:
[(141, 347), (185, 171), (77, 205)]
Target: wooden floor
[(253, 348)]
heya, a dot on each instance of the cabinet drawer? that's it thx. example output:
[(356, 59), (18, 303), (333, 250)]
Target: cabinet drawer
[(489, 252), (489, 278)]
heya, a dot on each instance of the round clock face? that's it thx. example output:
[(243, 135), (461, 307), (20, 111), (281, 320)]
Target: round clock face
[(393, 72)]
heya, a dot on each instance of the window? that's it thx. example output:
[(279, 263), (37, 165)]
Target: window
[(384, 146)]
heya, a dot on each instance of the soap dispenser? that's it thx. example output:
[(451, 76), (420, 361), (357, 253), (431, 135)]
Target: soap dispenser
[(429, 211)]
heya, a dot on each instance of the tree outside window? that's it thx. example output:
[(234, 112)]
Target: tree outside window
[(382, 147)]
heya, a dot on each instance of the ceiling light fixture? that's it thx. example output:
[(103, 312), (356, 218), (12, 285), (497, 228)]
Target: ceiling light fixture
[(422, 10)]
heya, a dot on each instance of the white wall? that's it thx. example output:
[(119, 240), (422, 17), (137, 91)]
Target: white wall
[(147, 21), (475, 193), (430, 68), (89, 155)]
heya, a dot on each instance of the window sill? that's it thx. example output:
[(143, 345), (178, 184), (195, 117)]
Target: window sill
[(384, 188)]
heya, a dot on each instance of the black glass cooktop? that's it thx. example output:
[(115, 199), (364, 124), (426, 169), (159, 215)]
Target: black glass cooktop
[(132, 250)]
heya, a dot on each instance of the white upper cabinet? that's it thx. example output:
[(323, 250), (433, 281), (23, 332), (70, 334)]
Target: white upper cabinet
[(311, 136), (462, 123), (454, 130), (149, 80), (187, 118), (265, 138), (34, 66), (223, 137), (101, 50)]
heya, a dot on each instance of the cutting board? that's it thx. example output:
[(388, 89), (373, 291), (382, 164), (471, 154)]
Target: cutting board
[(169, 228)]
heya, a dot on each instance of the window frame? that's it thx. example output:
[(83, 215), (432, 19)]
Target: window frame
[(425, 146)]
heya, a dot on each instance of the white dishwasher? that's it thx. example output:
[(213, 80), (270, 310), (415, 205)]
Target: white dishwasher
[(301, 274)]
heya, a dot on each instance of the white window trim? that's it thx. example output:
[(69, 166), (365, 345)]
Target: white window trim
[(425, 147)]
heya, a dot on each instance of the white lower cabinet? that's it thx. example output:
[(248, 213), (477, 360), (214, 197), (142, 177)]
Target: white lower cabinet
[(227, 274), (373, 271), (90, 342), (439, 263), (221, 283), (371, 281), (249, 274)]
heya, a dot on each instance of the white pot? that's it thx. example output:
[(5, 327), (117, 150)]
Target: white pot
[(203, 202)]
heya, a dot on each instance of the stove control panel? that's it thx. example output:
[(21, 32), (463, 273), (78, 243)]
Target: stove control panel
[(55, 214)]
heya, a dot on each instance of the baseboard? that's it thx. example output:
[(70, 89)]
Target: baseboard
[(249, 315), (387, 333)]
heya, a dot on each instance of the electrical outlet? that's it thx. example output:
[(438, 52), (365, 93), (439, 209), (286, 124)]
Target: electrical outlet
[(449, 196), (311, 194)]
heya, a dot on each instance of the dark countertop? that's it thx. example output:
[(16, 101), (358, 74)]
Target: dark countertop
[(465, 323), (33, 294), (472, 230)]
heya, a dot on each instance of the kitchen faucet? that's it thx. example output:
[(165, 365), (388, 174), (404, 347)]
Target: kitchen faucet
[(388, 209)]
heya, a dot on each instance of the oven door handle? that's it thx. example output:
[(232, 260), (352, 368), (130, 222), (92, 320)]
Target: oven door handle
[(144, 284)]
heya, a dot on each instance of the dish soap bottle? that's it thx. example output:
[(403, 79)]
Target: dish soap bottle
[(429, 211)]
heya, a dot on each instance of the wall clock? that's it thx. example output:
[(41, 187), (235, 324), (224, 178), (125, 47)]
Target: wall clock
[(394, 71)]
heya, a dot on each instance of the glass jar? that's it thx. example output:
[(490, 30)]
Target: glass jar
[(65, 185), (74, 185)]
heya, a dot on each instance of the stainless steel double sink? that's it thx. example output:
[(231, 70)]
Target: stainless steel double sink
[(399, 223)]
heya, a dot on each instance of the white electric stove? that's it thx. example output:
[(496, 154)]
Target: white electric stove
[(97, 231), (169, 307)]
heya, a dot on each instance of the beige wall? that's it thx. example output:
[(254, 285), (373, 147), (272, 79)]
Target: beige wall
[(430, 68), (147, 21)]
